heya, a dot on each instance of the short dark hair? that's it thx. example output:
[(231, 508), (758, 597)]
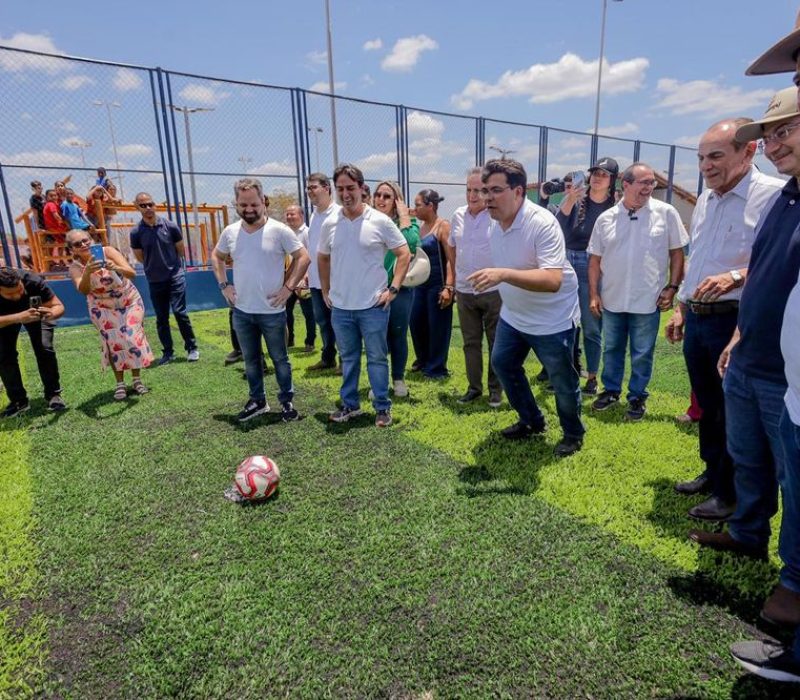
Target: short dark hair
[(9, 277), (351, 171), (47, 192), (512, 169), (431, 197), (321, 178), (35, 183)]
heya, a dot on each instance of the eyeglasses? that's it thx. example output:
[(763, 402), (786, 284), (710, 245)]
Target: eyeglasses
[(382, 195), (85, 243), (780, 134), (646, 183), (146, 205), (494, 191)]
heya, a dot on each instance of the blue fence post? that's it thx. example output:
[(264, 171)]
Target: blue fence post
[(542, 154), (164, 170), (480, 140), (298, 128), (700, 184), (398, 140), (306, 141), (405, 183), (637, 150), (671, 174), (594, 148), (167, 144), (11, 227)]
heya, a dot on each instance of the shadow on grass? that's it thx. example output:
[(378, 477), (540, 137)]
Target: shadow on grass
[(91, 407), (749, 687), (365, 420), (252, 424), (38, 409), (479, 405)]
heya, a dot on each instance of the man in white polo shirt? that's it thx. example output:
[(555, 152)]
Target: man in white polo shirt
[(477, 312), (353, 243), (631, 247), (540, 308), (258, 247)]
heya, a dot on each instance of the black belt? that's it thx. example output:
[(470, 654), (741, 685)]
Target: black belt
[(702, 308)]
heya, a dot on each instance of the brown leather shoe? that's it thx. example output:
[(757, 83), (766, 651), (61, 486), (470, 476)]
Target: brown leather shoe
[(320, 366), (782, 608), (724, 542)]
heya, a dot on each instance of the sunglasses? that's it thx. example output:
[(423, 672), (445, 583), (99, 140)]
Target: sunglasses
[(146, 205), (383, 195)]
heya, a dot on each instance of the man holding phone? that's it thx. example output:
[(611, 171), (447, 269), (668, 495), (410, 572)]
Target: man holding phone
[(25, 300)]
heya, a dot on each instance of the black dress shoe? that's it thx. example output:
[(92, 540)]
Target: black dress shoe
[(713, 508), (697, 485), (568, 446), (470, 396), (521, 431), (724, 542)]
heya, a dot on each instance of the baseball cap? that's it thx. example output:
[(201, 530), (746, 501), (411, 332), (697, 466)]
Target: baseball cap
[(780, 58), (782, 106), (608, 164)]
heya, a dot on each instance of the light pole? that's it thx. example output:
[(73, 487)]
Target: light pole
[(108, 105), (83, 145), (330, 84), (186, 111), (317, 130), (502, 151), (600, 65), (244, 160)]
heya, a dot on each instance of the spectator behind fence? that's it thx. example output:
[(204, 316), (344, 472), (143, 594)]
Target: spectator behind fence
[(52, 214), (158, 244), (388, 199), (630, 249), (72, 214), (101, 195), (294, 220), (115, 308), (432, 310), (37, 203), (478, 313), (25, 300), (106, 183)]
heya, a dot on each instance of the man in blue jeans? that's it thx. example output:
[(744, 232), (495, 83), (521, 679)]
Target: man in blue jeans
[(631, 246), (353, 243), (158, 244), (258, 247), (539, 292)]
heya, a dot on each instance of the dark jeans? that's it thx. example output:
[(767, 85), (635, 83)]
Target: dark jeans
[(789, 544), (641, 330), (705, 337), (591, 325), (397, 333), (322, 315), (166, 295), (478, 315), (41, 337), (554, 351), (250, 328), (431, 328), (307, 307)]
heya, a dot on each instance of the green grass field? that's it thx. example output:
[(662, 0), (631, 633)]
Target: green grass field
[(428, 560)]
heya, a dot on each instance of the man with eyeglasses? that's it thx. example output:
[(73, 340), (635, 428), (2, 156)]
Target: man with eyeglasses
[(722, 234), (157, 243), (630, 250), (539, 291)]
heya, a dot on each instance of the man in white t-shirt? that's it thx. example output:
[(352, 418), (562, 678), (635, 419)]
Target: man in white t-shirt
[(477, 313), (352, 247), (540, 308), (294, 220), (318, 187), (258, 247), (631, 247)]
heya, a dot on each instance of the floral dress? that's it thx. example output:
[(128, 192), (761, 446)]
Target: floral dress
[(117, 310)]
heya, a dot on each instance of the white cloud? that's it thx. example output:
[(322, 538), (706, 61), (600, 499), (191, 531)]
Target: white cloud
[(620, 130), (134, 150), (126, 79), (421, 124), (543, 83), (377, 161), (367, 80), (690, 141), (274, 167), (13, 62), (317, 58), (67, 125), (323, 85), (406, 52), (73, 82), (572, 142), (708, 98), (203, 94), (373, 44), (41, 158)]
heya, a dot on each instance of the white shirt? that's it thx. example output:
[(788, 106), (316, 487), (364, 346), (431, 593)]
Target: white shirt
[(635, 254), (357, 249), (314, 226), (469, 235), (258, 263), (723, 230), (790, 348), (534, 242), (302, 235)]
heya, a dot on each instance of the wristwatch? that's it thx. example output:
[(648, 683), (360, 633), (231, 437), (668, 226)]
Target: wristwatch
[(222, 285), (737, 277), (394, 290), (673, 286)]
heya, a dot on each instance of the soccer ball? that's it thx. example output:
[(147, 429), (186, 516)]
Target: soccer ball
[(257, 478)]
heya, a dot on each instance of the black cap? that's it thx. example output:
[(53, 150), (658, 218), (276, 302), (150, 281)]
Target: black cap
[(608, 164)]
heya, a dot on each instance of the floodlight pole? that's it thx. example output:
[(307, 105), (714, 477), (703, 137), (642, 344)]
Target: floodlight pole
[(331, 89)]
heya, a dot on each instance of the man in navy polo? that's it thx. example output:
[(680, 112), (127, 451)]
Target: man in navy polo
[(158, 244)]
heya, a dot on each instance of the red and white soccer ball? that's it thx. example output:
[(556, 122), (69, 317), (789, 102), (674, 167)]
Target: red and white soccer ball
[(257, 478)]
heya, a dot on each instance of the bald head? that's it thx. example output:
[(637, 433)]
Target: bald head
[(294, 216), (724, 161)]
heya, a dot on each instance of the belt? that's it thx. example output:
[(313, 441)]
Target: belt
[(702, 308)]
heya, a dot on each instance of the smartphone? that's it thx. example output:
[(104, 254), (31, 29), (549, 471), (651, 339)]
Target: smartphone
[(578, 179), (35, 302), (97, 253)]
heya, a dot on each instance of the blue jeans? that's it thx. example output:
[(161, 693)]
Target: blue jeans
[(753, 410), (351, 328), (590, 324), (554, 351), (172, 293), (250, 328), (642, 330), (789, 546), (399, 317), (431, 328), (322, 315)]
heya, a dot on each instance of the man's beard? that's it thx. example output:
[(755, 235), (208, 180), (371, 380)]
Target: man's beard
[(251, 217)]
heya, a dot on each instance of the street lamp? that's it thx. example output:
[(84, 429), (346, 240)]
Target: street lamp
[(83, 145), (186, 111), (600, 65), (108, 105), (330, 84), (317, 130), (502, 151)]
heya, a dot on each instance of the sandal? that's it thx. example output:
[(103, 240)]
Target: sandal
[(121, 392), (139, 387)]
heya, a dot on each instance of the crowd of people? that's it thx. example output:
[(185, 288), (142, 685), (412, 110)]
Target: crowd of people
[(367, 270)]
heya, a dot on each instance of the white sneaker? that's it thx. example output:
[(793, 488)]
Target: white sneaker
[(400, 388), (193, 356), (371, 395)]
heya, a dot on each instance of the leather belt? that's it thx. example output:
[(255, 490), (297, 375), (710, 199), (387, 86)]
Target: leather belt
[(712, 308)]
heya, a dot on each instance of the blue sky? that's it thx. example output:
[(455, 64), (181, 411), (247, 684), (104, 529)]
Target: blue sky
[(673, 68)]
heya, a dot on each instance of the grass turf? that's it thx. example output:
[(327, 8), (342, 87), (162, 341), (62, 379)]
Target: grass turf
[(431, 559)]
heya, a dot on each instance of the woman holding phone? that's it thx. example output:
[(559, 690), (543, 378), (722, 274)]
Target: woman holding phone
[(102, 274)]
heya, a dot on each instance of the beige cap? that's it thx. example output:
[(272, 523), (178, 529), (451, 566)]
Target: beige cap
[(780, 58), (782, 106)]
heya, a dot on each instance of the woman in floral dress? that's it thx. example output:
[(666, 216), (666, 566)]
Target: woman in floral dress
[(116, 309)]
